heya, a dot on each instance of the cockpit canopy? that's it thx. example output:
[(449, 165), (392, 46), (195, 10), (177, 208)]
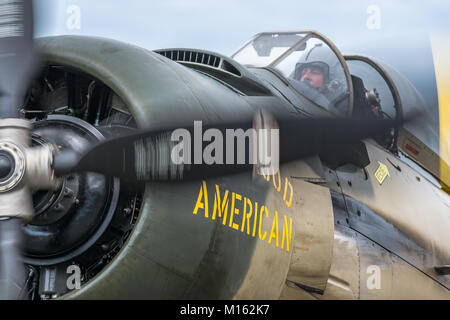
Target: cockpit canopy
[(310, 63), (356, 86)]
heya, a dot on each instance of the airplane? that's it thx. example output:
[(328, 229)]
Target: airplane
[(354, 211)]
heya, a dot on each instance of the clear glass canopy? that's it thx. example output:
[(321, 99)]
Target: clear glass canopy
[(307, 61), (266, 47)]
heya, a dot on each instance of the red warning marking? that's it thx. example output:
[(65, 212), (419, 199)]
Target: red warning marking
[(412, 149)]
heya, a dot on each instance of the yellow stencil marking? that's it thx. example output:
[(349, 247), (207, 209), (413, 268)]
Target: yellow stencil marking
[(249, 209), (381, 173)]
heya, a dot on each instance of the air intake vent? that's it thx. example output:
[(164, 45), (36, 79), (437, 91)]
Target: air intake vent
[(192, 56), (220, 67)]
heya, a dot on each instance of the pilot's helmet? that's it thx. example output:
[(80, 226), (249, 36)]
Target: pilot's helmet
[(319, 56)]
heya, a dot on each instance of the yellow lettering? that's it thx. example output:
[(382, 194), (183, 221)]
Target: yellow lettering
[(288, 233), (234, 210), (260, 220), (278, 188), (249, 210), (221, 207), (274, 225), (288, 203), (256, 218), (246, 215), (202, 205)]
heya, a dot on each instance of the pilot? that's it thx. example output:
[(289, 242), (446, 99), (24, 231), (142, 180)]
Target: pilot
[(314, 74), (320, 69), (373, 99), (313, 68), (321, 78)]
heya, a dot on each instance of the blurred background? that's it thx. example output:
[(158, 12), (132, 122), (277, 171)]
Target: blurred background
[(394, 31)]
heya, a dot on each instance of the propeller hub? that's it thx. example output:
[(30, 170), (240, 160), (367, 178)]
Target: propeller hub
[(70, 219), (12, 166), (6, 165)]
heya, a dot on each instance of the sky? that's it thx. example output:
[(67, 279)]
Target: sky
[(395, 31)]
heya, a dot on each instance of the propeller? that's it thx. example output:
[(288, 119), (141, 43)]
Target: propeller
[(16, 61), (16, 54), (146, 156)]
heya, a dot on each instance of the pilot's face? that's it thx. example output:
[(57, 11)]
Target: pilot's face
[(314, 75)]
